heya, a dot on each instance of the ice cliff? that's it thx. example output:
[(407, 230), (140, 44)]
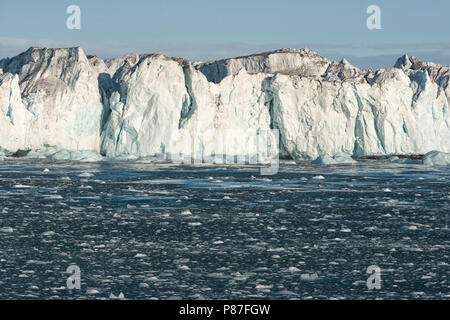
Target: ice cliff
[(145, 105), (49, 97)]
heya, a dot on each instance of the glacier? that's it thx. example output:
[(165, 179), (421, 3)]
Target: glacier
[(140, 106)]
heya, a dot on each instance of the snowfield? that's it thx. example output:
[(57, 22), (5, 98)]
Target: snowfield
[(147, 105)]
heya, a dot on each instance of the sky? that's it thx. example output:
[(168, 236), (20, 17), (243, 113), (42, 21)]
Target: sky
[(202, 30)]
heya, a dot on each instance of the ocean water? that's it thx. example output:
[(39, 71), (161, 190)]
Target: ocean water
[(162, 231)]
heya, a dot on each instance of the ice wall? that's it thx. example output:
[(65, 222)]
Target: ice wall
[(152, 104)]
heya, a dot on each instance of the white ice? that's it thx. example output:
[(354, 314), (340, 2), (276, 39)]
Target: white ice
[(148, 105)]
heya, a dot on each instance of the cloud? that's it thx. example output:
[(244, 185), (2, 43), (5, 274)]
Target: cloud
[(10, 47), (410, 46)]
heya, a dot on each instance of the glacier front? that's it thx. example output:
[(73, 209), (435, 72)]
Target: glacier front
[(147, 105)]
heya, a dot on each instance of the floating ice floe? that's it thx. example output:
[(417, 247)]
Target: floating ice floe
[(40, 153), (184, 268), (87, 156), (309, 277), (324, 159), (433, 158), (436, 158), (21, 186), (395, 159), (92, 291), (186, 213), (85, 175), (49, 234), (340, 158), (344, 158), (121, 296)]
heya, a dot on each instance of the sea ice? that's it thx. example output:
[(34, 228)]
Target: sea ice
[(340, 158), (324, 159), (436, 158), (87, 156), (343, 158)]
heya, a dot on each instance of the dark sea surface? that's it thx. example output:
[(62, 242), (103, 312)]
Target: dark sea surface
[(162, 231)]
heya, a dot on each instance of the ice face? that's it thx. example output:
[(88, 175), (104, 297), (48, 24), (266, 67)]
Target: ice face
[(139, 106), (146, 111), (50, 97)]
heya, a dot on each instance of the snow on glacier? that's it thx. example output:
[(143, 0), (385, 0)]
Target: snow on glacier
[(285, 61), (140, 106)]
